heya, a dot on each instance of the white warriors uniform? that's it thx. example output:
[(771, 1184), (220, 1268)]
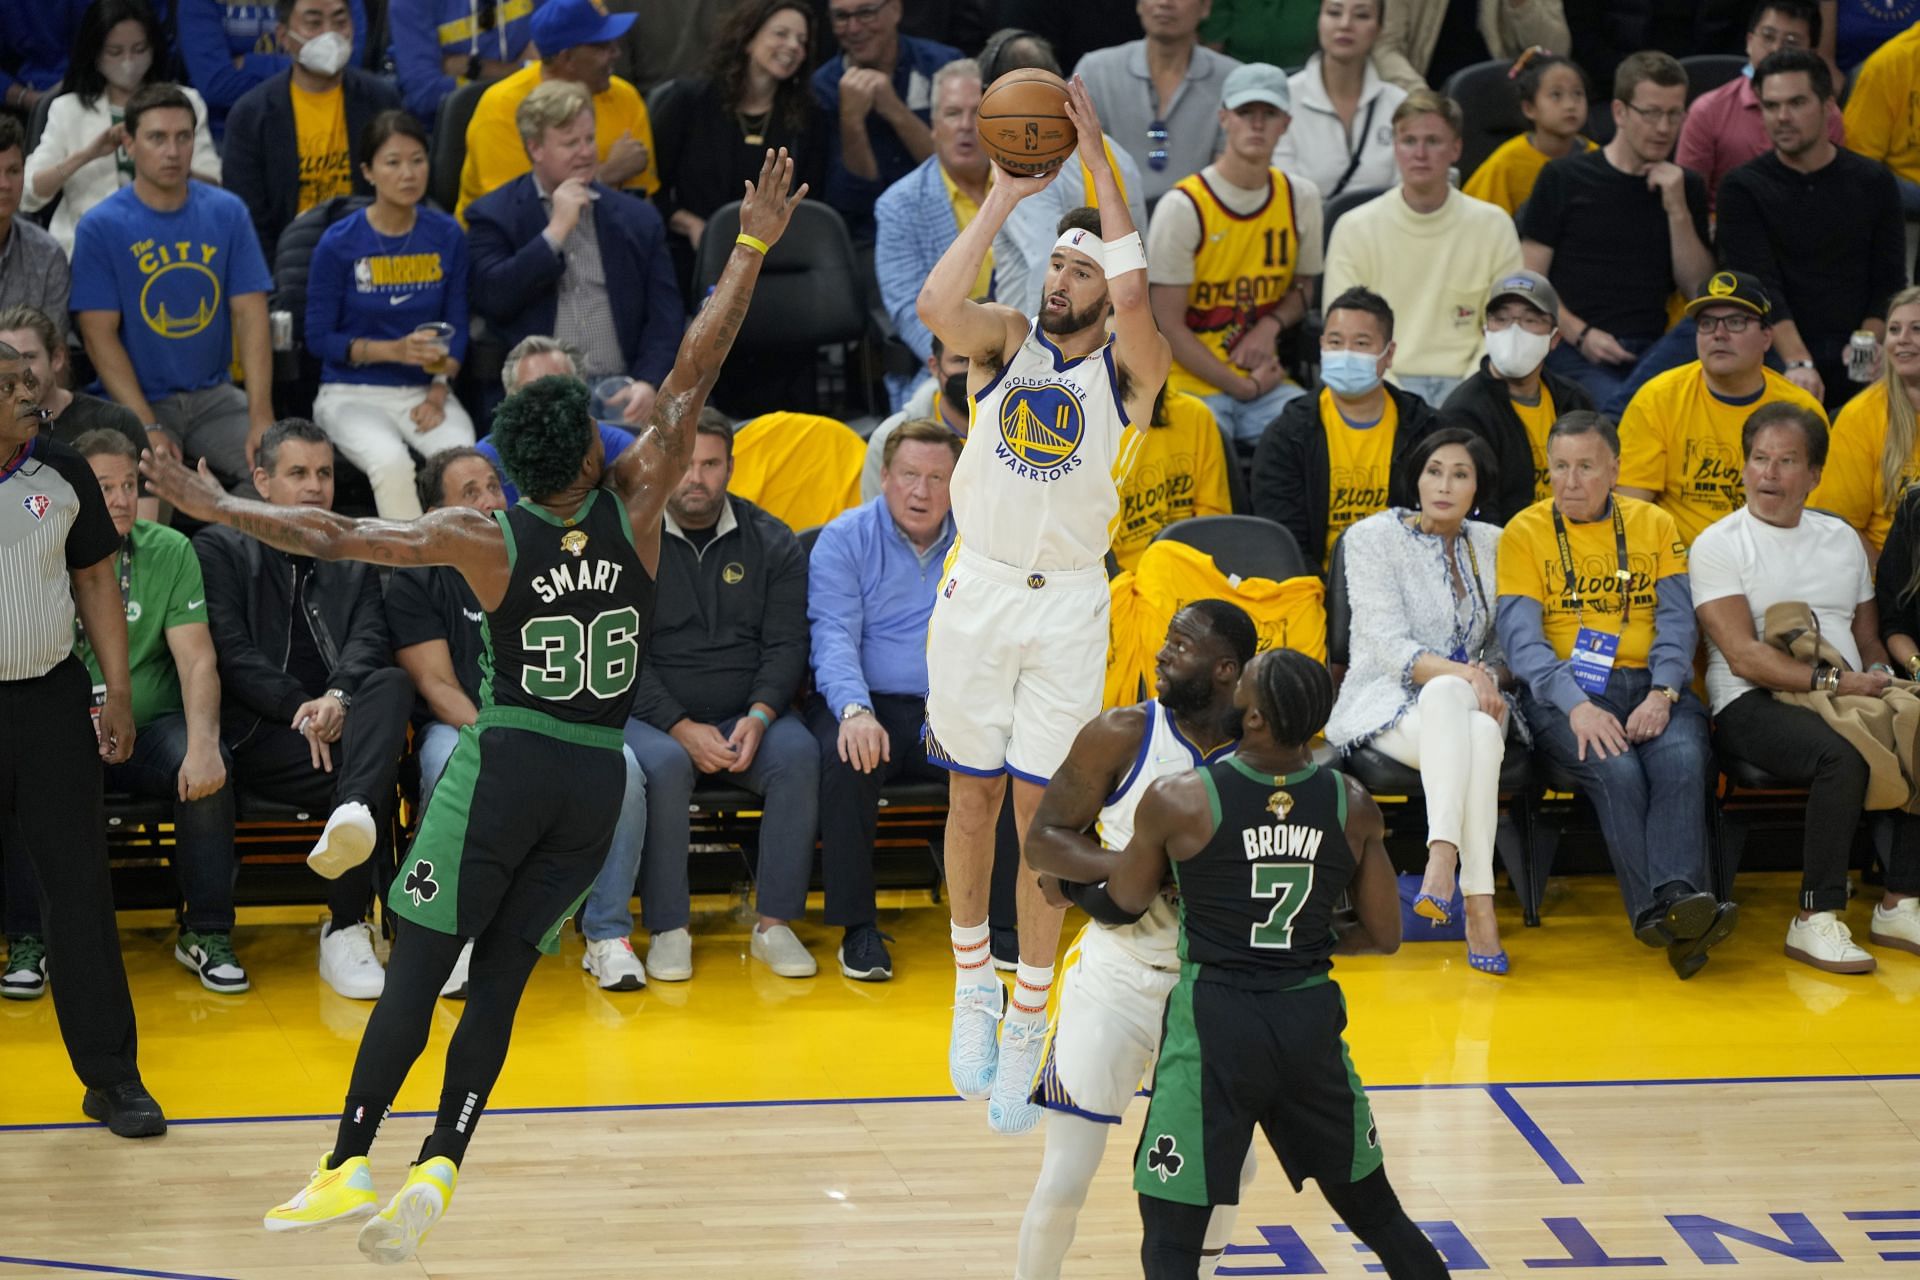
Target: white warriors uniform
[(1115, 978), (1017, 645)]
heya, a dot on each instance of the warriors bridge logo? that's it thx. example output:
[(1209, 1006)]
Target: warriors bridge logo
[(1040, 431), (181, 295)]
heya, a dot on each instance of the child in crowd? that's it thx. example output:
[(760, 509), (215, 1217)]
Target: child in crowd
[(1553, 94)]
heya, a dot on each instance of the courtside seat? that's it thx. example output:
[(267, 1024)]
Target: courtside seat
[(1746, 792)]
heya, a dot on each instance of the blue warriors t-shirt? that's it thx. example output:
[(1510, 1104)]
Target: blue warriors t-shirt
[(172, 277), (365, 285)]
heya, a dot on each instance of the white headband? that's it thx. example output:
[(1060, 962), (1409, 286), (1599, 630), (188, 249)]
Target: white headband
[(1087, 242)]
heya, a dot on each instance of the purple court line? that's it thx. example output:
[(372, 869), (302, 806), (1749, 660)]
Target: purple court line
[(95, 1268), (1536, 1137), (623, 1108)]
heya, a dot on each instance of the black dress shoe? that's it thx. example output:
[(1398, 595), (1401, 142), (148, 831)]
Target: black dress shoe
[(1688, 957), (1680, 919), (127, 1109)]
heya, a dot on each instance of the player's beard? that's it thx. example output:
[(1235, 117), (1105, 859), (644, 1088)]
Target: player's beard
[(1071, 321), (1187, 697)]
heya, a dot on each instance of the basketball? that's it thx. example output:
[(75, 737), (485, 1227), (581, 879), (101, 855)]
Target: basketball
[(1024, 124)]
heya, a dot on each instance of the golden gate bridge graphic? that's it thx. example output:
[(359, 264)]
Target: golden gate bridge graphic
[(174, 326), (1028, 433)]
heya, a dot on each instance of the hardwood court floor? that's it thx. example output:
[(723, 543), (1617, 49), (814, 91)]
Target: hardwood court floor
[(1586, 1113)]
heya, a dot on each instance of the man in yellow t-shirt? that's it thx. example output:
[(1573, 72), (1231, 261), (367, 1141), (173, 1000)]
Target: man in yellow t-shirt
[(1338, 457), (1179, 471), (578, 41), (1881, 122), (1595, 616), (1680, 436)]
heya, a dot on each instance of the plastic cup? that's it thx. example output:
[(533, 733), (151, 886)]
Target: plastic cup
[(607, 395), (442, 334)]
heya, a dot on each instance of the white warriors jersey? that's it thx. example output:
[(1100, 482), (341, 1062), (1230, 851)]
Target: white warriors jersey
[(1037, 486), (1154, 939)]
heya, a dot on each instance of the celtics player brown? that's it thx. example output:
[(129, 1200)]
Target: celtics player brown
[(1261, 846), (519, 825)]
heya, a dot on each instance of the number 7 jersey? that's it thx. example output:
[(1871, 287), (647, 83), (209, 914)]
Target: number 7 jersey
[(568, 636), (1258, 898)]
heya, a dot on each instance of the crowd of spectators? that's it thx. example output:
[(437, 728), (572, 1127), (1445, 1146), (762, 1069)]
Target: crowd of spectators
[(1656, 321)]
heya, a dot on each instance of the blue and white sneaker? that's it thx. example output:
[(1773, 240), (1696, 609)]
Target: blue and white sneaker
[(1010, 1107), (974, 1051)]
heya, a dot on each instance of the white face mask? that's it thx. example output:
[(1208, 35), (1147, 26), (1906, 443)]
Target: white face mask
[(1516, 352), (326, 53), (126, 73)]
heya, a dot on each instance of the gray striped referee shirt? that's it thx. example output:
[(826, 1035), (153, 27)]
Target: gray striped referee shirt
[(52, 521)]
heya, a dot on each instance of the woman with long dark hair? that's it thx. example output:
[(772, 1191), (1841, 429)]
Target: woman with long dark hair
[(81, 158), (713, 132)]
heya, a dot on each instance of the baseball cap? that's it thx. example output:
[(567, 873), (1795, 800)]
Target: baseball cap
[(1733, 289), (1530, 287), (1256, 82), (559, 25)]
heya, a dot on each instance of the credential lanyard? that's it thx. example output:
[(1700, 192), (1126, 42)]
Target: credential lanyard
[(1622, 576)]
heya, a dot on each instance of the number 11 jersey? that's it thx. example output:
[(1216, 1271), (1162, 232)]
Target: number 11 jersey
[(567, 638)]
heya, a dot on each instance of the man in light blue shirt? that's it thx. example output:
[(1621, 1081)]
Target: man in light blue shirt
[(870, 588)]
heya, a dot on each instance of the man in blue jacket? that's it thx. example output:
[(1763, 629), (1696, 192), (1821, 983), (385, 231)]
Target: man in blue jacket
[(293, 141), (439, 45), (551, 250)]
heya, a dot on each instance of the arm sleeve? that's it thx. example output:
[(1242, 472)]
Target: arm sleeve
[(1676, 632), (411, 617), (367, 648), (247, 264), (326, 300), (92, 538), (416, 58), (186, 591), (209, 61), (666, 315), (899, 269), (95, 287), (653, 704), (783, 630), (1093, 899), (1524, 640), (506, 280), (1743, 241), (246, 676), (836, 614)]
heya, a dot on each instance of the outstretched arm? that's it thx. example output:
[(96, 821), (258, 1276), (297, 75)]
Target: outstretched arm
[(1137, 339), (649, 468), (459, 536)]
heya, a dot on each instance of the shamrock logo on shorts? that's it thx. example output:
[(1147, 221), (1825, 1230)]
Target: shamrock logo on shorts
[(420, 884), (1163, 1159)]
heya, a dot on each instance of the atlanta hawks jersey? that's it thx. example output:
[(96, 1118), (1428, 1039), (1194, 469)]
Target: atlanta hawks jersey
[(1037, 486), (1164, 751), (1243, 269)]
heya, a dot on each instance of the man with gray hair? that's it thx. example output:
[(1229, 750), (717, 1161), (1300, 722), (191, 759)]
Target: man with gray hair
[(552, 249), (920, 216), (534, 357)]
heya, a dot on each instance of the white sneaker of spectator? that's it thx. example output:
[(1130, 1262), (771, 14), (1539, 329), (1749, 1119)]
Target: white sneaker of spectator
[(347, 841), (670, 956), (614, 966), (347, 962), (782, 952), (1899, 927), (1824, 941), (456, 987)]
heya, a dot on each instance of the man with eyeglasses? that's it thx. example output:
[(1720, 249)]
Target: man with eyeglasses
[(1514, 400), (1680, 436), (879, 88), (1725, 127), (1160, 96), (1617, 231), (1819, 225)]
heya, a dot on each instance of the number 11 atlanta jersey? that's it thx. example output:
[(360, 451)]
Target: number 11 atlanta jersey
[(567, 637)]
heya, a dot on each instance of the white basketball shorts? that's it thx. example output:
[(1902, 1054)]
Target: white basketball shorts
[(1105, 1032), (1016, 666)]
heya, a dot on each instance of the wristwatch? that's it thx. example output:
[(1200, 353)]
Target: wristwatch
[(1800, 364), (1668, 692), (853, 709), (345, 698)]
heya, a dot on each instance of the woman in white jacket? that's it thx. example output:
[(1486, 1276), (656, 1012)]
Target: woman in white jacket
[(1425, 681), (80, 158), (1341, 133)]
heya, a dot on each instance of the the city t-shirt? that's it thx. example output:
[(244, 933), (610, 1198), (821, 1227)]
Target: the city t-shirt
[(171, 277)]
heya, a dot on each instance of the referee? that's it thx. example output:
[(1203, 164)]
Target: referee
[(56, 555)]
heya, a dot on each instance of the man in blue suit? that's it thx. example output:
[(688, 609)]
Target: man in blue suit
[(550, 252)]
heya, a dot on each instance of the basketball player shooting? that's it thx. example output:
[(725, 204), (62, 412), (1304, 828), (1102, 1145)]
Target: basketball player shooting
[(1017, 644), (520, 823), (1261, 845)]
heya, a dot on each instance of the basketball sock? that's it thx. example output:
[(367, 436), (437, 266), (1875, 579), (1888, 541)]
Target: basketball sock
[(1220, 1225), (453, 1126), (359, 1126), (972, 955), (1030, 987)]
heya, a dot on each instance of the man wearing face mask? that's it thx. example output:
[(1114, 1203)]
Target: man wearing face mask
[(294, 141), (1336, 458), (1514, 400)]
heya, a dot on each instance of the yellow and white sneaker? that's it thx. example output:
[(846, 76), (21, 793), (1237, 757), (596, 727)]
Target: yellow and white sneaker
[(333, 1195), (396, 1231)]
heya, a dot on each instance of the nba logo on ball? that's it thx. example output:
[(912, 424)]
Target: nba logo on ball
[(1040, 431)]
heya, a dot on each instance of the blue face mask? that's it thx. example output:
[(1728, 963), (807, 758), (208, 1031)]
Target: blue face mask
[(1350, 373)]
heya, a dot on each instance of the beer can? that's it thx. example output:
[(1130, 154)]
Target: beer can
[(280, 326), (1862, 349)]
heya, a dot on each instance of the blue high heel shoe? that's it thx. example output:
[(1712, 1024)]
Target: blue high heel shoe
[(1429, 907), (1496, 964)]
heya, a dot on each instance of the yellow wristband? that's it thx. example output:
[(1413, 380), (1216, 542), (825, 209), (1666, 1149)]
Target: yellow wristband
[(752, 242)]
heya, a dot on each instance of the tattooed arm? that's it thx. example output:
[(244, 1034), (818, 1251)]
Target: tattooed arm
[(459, 536), (650, 468)]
